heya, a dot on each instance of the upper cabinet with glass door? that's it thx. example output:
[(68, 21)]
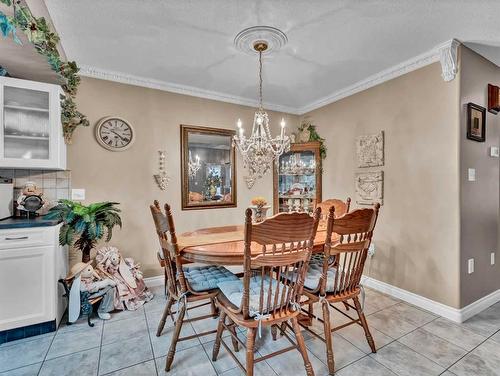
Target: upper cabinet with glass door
[(30, 125)]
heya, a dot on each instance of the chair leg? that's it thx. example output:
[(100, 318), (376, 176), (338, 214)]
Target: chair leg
[(274, 331), (166, 312), (364, 323), (328, 338), (218, 337), (232, 328), (311, 310), (175, 337), (213, 307), (165, 282), (346, 306), (283, 328), (250, 350), (302, 347)]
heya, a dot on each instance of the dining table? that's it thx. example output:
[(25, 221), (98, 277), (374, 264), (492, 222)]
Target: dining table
[(225, 245)]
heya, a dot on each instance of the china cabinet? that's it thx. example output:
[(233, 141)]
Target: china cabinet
[(30, 125), (297, 181)]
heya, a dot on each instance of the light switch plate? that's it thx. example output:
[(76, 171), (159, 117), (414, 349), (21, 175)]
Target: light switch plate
[(494, 151), (471, 174), (470, 266), (492, 258), (78, 194)]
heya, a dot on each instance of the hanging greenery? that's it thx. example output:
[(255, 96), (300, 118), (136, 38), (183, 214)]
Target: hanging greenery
[(45, 41), (313, 136)]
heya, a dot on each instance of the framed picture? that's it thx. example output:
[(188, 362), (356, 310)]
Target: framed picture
[(476, 122)]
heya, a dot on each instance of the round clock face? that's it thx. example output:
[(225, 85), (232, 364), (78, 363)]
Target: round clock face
[(114, 134)]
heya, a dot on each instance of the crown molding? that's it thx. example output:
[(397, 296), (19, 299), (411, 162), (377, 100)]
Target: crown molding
[(445, 53), (128, 79), (448, 57)]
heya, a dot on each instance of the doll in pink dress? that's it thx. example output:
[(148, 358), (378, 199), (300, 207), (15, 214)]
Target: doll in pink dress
[(131, 291)]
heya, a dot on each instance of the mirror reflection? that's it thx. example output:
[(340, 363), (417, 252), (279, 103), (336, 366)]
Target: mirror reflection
[(208, 171)]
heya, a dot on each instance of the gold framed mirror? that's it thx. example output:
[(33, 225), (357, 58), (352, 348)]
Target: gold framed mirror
[(208, 168)]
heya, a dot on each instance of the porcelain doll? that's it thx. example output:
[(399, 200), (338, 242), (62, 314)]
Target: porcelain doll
[(131, 291), (85, 279)]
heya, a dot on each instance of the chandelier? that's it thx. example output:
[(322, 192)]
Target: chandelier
[(193, 165), (260, 150)]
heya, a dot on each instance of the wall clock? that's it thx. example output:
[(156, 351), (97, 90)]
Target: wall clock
[(114, 133)]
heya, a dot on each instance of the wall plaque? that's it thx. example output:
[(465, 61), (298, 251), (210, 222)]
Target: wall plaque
[(370, 150), (369, 187)]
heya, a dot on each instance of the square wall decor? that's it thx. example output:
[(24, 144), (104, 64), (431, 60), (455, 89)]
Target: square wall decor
[(370, 187), (370, 150)]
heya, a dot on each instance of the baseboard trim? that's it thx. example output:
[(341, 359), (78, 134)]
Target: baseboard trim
[(451, 313), (154, 281), (480, 305)]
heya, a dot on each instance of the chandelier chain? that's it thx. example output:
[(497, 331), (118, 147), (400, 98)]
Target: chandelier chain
[(261, 108)]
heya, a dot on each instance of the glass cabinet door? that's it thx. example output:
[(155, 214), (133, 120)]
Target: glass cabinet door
[(26, 123), (297, 182)]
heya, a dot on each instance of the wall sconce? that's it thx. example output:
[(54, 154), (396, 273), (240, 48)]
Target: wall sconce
[(161, 178), (249, 180)]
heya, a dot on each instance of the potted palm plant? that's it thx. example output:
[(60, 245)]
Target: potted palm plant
[(84, 225)]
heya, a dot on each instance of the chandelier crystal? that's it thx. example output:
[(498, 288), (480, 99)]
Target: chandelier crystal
[(193, 165), (260, 150)]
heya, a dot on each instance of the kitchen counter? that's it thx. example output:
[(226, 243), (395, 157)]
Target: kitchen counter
[(27, 222)]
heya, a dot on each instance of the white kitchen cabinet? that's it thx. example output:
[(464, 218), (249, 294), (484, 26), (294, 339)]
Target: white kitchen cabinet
[(30, 125), (31, 262)]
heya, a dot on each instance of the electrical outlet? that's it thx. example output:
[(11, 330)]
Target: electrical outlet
[(371, 250), (492, 258), (494, 151), (471, 174), (78, 194), (470, 266)]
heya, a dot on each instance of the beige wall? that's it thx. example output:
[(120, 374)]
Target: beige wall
[(427, 201), (417, 236), (127, 177), (479, 200)]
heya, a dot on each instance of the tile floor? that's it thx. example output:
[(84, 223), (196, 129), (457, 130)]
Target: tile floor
[(410, 341)]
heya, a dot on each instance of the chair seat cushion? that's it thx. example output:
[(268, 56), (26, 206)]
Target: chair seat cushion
[(206, 277), (314, 274), (233, 290)]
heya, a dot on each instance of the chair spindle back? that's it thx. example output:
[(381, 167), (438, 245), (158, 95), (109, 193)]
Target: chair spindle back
[(165, 228), (340, 206), (347, 257), (286, 242)]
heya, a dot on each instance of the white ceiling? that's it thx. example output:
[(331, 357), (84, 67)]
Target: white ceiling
[(332, 44)]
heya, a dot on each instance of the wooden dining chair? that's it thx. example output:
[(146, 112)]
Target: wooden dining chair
[(272, 283), (161, 228), (185, 284), (340, 206), (338, 278)]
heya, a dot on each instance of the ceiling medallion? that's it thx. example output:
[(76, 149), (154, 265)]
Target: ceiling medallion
[(246, 39), (260, 151)]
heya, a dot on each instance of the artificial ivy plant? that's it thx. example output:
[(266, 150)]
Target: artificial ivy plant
[(45, 41), (314, 136)]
